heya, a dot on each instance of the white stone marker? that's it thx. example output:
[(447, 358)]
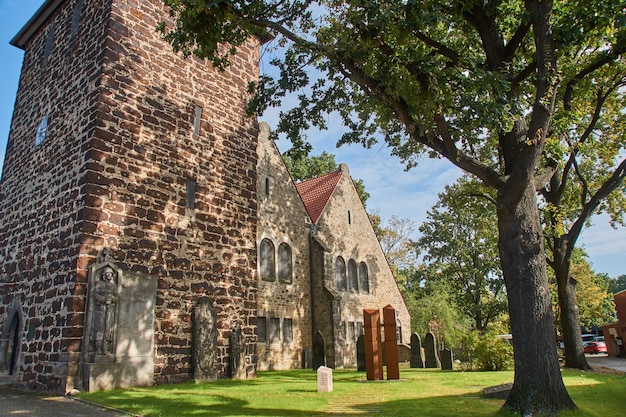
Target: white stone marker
[(324, 379)]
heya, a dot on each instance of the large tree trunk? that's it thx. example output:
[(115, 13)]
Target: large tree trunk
[(538, 386), (569, 319)]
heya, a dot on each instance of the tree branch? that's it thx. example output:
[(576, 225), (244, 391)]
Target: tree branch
[(607, 188)]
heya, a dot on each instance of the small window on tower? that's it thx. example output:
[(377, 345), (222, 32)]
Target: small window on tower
[(191, 194), (49, 42), (267, 186), (197, 120), (76, 15)]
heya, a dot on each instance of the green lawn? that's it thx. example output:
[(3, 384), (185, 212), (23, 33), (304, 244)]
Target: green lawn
[(294, 393)]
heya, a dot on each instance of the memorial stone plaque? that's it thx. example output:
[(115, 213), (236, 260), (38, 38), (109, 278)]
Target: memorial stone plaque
[(324, 379)]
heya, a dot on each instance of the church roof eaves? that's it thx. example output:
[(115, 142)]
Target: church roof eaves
[(34, 23)]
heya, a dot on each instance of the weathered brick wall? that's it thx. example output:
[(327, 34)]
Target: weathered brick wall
[(144, 151), (40, 231), (283, 218), (113, 172), (351, 236)]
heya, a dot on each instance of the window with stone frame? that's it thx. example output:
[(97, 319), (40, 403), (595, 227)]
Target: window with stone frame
[(261, 329), (359, 329), (350, 332), (288, 330), (353, 284), (364, 282), (398, 331), (285, 264), (267, 261), (340, 273), (274, 333)]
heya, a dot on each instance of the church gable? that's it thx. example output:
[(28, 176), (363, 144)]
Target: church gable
[(284, 318)]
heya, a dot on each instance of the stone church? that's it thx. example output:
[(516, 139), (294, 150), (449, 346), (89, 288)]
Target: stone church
[(149, 231)]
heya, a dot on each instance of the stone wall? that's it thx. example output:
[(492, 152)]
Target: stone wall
[(283, 219), (127, 164), (42, 190)]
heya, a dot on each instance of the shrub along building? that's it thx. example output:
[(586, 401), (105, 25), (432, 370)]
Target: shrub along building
[(148, 235)]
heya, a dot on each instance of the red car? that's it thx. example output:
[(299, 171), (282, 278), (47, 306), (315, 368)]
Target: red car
[(595, 347)]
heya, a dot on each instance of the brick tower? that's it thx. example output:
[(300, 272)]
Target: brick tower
[(124, 160)]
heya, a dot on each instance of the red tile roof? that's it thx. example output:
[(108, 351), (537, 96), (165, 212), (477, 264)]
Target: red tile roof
[(316, 192)]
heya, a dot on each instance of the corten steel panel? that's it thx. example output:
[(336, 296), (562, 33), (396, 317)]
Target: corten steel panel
[(373, 345)]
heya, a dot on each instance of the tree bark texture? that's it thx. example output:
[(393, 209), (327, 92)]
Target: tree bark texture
[(538, 386), (570, 319)]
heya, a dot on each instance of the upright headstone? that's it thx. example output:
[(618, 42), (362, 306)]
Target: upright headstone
[(204, 353), (237, 354), (391, 343), (417, 357), (373, 345), (360, 354), (104, 302), (430, 351), (446, 359), (324, 379), (119, 327), (319, 350)]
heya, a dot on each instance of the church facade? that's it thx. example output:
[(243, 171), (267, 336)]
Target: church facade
[(148, 226)]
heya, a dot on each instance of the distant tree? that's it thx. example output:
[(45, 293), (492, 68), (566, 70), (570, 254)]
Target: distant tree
[(617, 284), (433, 308), (460, 247), (396, 240), (593, 299), (303, 167)]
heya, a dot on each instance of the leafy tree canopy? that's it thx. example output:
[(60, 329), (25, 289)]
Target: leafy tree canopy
[(617, 284), (304, 167), (459, 246)]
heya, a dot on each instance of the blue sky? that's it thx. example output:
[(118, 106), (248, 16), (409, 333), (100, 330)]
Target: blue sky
[(392, 190)]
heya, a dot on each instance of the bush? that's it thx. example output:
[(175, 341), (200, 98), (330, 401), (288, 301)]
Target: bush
[(485, 352), (493, 354)]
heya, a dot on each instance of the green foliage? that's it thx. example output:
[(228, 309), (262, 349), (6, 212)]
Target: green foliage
[(460, 248), (303, 167), (492, 353), (310, 167), (487, 351), (617, 284), (395, 237)]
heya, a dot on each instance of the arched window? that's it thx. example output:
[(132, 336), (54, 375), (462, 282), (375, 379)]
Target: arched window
[(266, 260), (364, 282), (340, 273), (353, 284), (285, 263)]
